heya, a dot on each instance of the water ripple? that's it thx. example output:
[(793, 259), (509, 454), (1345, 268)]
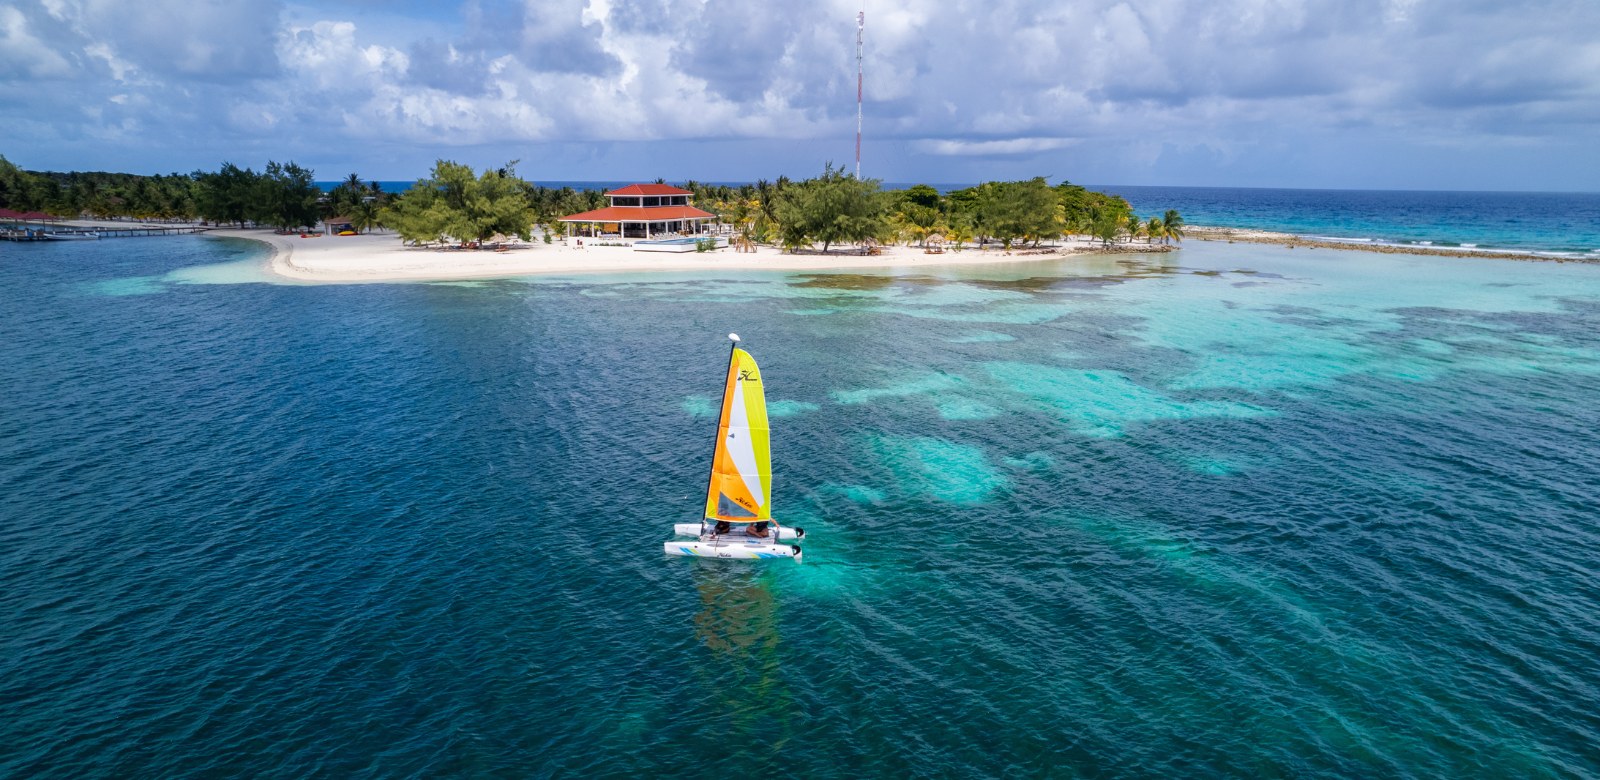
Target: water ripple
[(1160, 526)]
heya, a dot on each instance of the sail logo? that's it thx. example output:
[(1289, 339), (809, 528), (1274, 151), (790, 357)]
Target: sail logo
[(746, 376)]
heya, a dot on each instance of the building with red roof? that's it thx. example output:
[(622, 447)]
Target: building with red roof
[(27, 216), (641, 211)]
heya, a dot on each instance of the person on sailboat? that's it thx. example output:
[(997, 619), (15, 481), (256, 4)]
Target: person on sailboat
[(758, 530), (723, 528)]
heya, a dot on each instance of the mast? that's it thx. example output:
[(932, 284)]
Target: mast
[(861, 26), (712, 473)]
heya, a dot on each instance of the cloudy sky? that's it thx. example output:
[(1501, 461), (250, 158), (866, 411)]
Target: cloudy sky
[(1409, 94)]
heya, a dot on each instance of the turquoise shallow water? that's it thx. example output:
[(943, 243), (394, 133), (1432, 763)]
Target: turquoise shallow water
[(1237, 510)]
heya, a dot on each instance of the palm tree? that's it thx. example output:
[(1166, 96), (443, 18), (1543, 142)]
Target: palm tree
[(1104, 226), (898, 228), (739, 213), (1154, 229), (767, 200), (365, 216), (1134, 227), (1172, 225), (959, 232)]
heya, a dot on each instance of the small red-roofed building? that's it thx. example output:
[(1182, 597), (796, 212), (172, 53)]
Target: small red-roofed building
[(27, 216), (641, 211)]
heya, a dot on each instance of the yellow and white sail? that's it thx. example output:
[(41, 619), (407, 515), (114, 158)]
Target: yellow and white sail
[(741, 469)]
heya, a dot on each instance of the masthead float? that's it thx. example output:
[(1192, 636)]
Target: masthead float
[(737, 521)]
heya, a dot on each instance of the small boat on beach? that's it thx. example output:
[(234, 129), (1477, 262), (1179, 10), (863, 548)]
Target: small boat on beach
[(89, 236), (737, 522)]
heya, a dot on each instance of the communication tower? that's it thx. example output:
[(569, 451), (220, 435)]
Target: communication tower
[(861, 26)]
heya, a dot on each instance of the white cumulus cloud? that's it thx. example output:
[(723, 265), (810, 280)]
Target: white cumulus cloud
[(1131, 88)]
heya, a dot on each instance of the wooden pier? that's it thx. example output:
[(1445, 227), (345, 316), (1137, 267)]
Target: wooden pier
[(64, 233)]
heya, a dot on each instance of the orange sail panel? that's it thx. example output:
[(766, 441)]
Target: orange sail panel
[(741, 469)]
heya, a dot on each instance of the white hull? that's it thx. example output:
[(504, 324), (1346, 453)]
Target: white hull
[(785, 533), (724, 548)]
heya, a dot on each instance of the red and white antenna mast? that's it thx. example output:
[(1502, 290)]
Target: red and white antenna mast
[(861, 26)]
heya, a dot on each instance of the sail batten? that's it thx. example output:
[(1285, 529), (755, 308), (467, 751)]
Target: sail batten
[(741, 468)]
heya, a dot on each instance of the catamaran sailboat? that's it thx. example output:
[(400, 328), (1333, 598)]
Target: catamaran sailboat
[(739, 499)]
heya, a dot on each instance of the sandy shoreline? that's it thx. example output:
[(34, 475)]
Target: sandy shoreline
[(381, 257)]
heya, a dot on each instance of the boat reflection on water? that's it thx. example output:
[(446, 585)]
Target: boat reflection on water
[(738, 624)]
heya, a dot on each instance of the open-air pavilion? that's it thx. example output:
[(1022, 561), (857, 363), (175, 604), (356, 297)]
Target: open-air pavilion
[(641, 211)]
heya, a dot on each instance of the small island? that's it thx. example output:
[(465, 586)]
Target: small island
[(458, 223)]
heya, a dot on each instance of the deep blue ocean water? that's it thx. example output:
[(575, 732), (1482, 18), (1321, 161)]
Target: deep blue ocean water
[(1234, 511), (1563, 223)]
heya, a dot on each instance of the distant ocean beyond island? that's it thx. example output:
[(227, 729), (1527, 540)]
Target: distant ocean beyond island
[(1555, 224)]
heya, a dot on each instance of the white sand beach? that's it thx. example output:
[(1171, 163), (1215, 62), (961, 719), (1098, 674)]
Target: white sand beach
[(382, 257)]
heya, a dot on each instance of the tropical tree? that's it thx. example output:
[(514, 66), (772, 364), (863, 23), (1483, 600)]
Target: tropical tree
[(740, 212), (1154, 229), (1134, 226), (1014, 210), (456, 203), (918, 221), (921, 195), (342, 199), (958, 232), (365, 216), (284, 196), (227, 195), (1105, 224), (15, 187), (833, 208), (1172, 226)]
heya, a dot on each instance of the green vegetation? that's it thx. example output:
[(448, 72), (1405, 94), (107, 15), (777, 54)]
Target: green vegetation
[(833, 208), (225, 196), (454, 203), (1171, 225), (23, 191), (282, 196), (101, 194), (1018, 211), (285, 197)]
